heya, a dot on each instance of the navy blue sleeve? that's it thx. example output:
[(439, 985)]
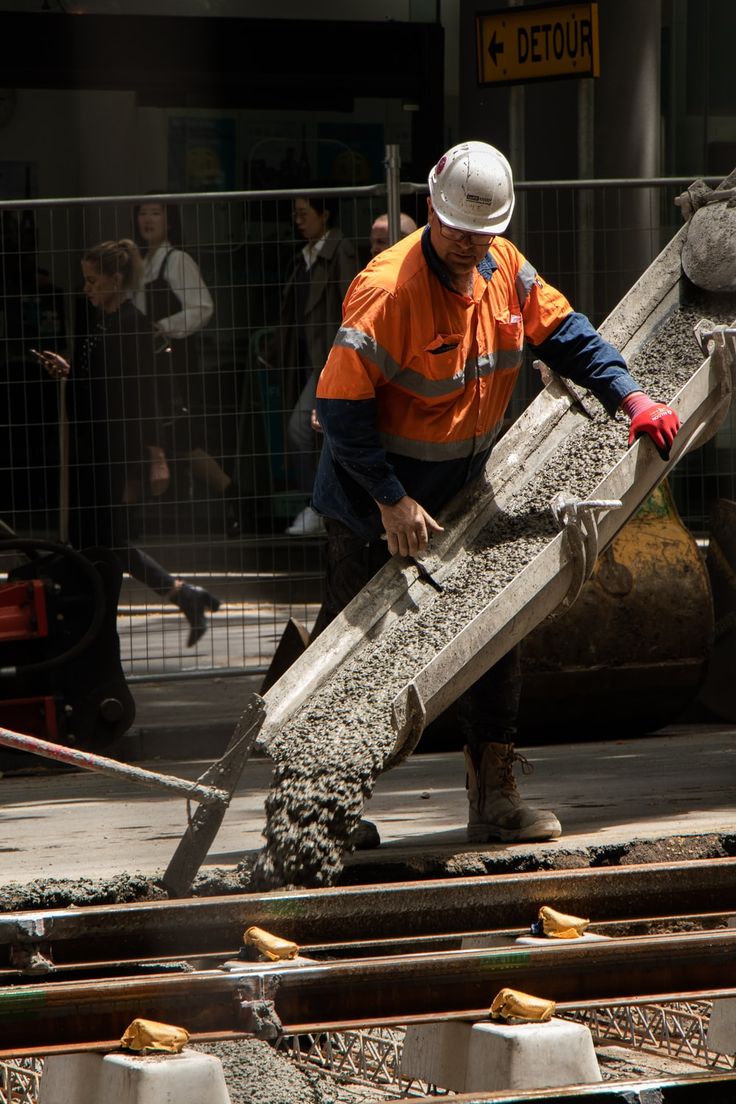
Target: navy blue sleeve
[(349, 426), (578, 352)]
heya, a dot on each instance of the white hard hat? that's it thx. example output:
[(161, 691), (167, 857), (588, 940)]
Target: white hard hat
[(472, 188)]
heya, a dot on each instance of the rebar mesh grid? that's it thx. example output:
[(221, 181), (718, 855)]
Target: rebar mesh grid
[(19, 1080), (372, 1057), (367, 1063), (678, 1030), (361, 1060)]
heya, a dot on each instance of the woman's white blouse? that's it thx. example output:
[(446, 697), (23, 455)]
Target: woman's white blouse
[(187, 284)]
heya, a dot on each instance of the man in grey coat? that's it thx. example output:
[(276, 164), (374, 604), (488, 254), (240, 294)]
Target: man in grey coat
[(311, 314)]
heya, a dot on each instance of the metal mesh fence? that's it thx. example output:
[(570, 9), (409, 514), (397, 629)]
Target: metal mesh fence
[(233, 364)]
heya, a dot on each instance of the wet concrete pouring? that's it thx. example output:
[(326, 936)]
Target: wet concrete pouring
[(328, 757)]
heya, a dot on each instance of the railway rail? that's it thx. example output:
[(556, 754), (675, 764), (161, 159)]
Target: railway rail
[(369, 957), (383, 915)]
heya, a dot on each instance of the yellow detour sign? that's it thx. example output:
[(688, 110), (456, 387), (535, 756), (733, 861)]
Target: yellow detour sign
[(537, 43)]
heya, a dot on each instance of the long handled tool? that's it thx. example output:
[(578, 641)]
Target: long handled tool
[(101, 764), (213, 791), (205, 822)]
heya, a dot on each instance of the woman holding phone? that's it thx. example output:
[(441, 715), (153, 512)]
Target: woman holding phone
[(115, 446)]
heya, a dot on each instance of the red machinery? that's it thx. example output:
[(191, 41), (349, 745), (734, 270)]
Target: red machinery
[(60, 672)]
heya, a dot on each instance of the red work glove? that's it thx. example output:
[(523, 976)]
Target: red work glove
[(658, 421)]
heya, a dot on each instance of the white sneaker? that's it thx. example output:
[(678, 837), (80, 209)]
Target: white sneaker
[(308, 523)]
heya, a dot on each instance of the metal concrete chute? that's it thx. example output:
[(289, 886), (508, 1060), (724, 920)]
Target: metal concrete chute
[(648, 302), (553, 579), (400, 584)]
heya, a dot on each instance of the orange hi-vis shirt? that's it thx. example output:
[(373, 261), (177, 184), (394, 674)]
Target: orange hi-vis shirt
[(440, 365)]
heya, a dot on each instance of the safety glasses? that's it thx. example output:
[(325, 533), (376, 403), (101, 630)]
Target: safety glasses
[(451, 234)]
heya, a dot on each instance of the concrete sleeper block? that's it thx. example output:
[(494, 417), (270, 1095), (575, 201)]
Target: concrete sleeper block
[(547, 942), (722, 1026), (530, 1056), (487, 1056), (122, 1078), (437, 1053)]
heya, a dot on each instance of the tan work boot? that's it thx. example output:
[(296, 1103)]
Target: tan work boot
[(497, 811)]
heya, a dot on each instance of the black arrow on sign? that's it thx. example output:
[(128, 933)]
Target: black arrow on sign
[(495, 48)]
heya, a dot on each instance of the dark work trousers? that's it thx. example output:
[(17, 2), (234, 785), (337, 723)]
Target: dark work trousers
[(488, 711)]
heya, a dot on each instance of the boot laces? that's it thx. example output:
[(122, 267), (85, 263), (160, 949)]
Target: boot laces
[(508, 758)]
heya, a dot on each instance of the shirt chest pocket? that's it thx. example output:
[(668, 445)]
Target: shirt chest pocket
[(509, 333), (443, 358)]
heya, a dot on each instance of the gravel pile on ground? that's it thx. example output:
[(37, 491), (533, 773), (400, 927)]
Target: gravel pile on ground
[(327, 759), (255, 1073)]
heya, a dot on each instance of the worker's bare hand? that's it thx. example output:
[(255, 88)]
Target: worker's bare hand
[(314, 422), (54, 364), (408, 526)]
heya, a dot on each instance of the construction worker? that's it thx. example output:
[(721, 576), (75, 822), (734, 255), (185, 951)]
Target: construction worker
[(411, 400), (379, 231)]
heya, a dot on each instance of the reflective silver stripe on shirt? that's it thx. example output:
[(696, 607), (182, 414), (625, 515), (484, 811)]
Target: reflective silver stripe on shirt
[(525, 278), (476, 367), (366, 346), (500, 361), (427, 388), (415, 382), (438, 450)]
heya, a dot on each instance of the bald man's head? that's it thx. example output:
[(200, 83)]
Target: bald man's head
[(379, 232)]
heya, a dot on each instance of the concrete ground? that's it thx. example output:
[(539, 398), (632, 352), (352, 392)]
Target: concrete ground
[(680, 782)]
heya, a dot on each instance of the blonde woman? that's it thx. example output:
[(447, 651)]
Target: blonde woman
[(116, 451)]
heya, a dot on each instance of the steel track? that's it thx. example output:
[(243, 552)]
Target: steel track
[(402, 911), (370, 956)]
